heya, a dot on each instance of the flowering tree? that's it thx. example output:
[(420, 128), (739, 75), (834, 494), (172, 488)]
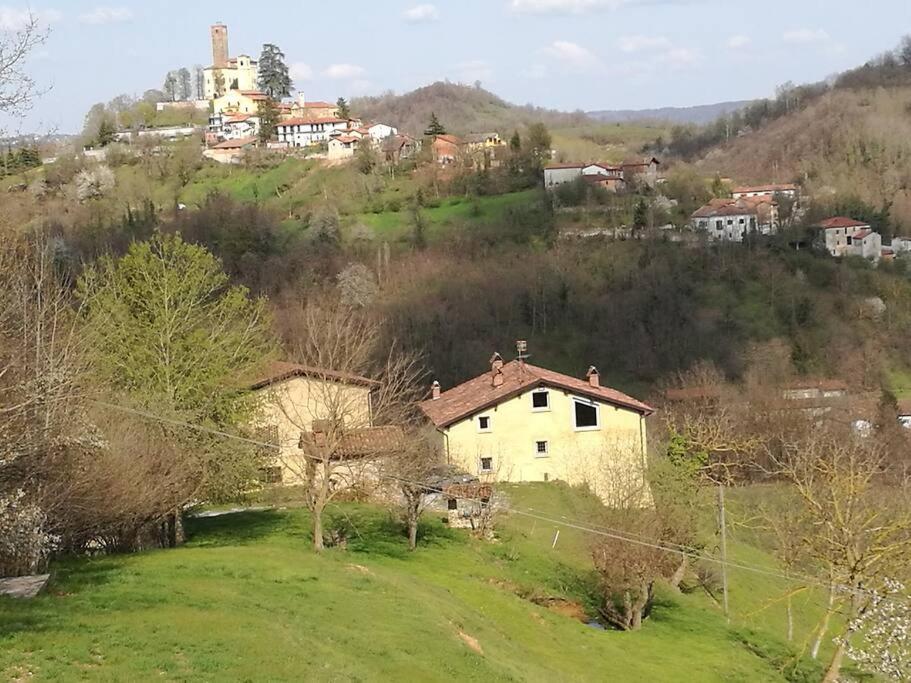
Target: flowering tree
[(885, 633)]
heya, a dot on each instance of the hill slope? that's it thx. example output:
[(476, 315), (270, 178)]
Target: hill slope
[(699, 114), (846, 142), (460, 108), (247, 600)]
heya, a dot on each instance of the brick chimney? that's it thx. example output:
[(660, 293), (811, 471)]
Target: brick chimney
[(594, 379), (435, 390), (496, 370)]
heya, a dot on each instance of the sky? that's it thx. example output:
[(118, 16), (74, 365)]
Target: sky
[(561, 54)]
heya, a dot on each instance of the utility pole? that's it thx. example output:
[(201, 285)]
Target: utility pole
[(724, 551)]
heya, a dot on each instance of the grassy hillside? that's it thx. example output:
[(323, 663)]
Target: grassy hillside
[(849, 142), (246, 599)]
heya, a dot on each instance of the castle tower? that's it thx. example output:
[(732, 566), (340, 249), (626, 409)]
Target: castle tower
[(219, 46)]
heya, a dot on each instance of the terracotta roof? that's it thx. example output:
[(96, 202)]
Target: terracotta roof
[(735, 207), (841, 222), (769, 189), (347, 139), (366, 442), (304, 122), (235, 144), (279, 371), (451, 139), (479, 393), (240, 118), (254, 94), (319, 105), (861, 234)]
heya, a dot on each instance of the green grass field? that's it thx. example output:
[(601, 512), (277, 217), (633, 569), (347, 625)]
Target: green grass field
[(246, 599)]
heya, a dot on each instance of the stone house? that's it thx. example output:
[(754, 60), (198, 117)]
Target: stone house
[(732, 220)]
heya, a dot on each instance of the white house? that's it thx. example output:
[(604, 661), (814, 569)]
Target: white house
[(837, 234), (731, 220), (306, 132), (867, 244), (239, 127), (378, 131), (558, 174), (786, 189)]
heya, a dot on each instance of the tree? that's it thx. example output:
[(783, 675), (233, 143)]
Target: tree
[(640, 215), (333, 338), (274, 78), (434, 127), (416, 470), (184, 85), (366, 156), (107, 132), (537, 145), (17, 88), (219, 83), (885, 632), (343, 109), (170, 86), (170, 335), (268, 119), (199, 82), (904, 51)]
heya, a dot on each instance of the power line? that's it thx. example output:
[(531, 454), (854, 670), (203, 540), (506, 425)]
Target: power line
[(608, 532)]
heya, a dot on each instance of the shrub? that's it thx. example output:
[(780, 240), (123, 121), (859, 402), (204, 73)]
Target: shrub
[(25, 543)]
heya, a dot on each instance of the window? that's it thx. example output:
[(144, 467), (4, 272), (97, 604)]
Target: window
[(586, 415), (719, 225), (452, 504), (487, 464), (540, 400), (742, 221), (540, 448), (484, 423)]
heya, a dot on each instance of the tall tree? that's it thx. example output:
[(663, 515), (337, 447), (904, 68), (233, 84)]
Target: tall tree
[(170, 86), (537, 144), (17, 88), (199, 82), (274, 77), (344, 111), (268, 119), (184, 85), (434, 127)]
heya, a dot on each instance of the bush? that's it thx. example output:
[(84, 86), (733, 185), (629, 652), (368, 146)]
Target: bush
[(25, 543)]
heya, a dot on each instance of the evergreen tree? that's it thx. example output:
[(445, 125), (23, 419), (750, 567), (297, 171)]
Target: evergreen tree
[(107, 132), (184, 87), (199, 82), (515, 142), (343, 110), (268, 119), (435, 127), (170, 86), (274, 77), (640, 215)]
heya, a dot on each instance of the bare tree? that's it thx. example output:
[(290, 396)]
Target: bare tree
[(17, 88), (416, 471), (344, 435)]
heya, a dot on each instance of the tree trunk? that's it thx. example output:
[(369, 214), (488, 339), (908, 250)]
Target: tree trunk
[(318, 544), (824, 626), (412, 532), (790, 620), (835, 665), (413, 514), (680, 572)]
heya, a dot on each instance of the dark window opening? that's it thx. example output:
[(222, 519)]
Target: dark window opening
[(541, 447), (452, 504), (586, 415), (540, 399), (486, 464), (484, 422)]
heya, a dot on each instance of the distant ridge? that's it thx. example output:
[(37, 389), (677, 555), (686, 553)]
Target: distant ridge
[(699, 114)]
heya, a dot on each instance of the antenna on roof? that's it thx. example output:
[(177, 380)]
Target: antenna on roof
[(521, 351)]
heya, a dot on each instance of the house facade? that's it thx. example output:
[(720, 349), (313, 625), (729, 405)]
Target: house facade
[(306, 132), (482, 141), (293, 400), (522, 423), (785, 189), (343, 146), (645, 171), (302, 109), (732, 220), (838, 234), (235, 102), (447, 149)]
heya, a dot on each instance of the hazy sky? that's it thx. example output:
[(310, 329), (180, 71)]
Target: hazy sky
[(565, 54)]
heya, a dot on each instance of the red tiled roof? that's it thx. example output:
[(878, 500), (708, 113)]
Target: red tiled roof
[(861, 234), (347, 139), (254, 94), (279, 371), (451, 139), (480, 393), (841, 222), (240, 118), (319, 105), (366, 442)]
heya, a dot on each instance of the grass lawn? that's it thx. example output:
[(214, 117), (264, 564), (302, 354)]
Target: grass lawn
[(453, 212), (245, 599)]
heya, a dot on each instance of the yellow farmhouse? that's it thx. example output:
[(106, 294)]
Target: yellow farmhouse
[(295, 399), (520, 423)]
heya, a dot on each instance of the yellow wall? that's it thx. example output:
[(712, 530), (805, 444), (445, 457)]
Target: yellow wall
[(610, 458), (293, 405)]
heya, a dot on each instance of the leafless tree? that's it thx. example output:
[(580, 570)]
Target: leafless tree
[(342, 439), (17, 88), (415, 471)]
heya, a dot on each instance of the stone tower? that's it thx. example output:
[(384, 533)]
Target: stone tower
[(219, 46)]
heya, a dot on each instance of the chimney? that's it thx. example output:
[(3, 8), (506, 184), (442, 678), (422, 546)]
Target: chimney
[(496, 370), (435, 389), (219, 46), (594, 379)]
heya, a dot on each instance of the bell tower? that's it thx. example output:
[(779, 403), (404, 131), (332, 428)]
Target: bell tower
[(219, 46)]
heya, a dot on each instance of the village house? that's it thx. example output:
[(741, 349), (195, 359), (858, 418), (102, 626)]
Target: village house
[(732, 220), (306, 132), (842, 236), (239, 126), (481, 141), (377, 132), (620, 176), (400, 148), (447, 149), (227, 73), (784, 189), (238, 102), (294, 403), (343, 146), (300, 108), (521, 423), (229, 151)]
